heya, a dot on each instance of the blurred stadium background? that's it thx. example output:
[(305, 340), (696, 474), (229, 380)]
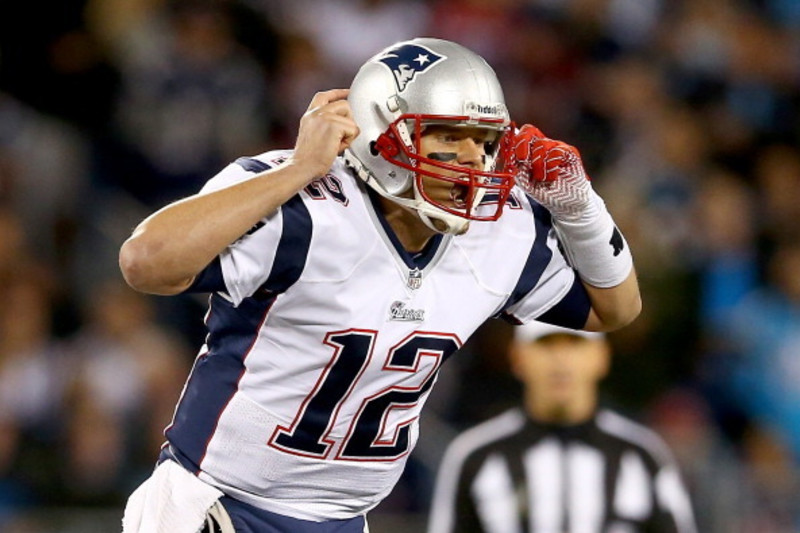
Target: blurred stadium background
[(687, 113)]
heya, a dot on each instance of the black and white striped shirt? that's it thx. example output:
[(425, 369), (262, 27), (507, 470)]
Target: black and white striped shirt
[(514, 475)]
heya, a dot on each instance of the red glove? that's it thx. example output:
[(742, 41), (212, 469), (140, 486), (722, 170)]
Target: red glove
[(552, 173)]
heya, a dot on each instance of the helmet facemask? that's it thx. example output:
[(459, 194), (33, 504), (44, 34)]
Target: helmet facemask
[(475, 193)]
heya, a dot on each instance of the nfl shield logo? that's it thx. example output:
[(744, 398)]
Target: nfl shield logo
[(414, 279)]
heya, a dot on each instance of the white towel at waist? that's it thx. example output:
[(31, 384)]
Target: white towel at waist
[(172, 500)]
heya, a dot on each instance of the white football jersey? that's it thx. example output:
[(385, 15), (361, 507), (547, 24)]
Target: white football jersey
[(325, 337)]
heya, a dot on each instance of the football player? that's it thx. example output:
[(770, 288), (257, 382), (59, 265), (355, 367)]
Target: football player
[(344, 272)]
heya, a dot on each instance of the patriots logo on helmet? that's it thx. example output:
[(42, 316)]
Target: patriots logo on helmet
[(407, 60)]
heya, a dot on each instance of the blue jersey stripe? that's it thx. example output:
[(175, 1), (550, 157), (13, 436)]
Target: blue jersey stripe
[(210, 279), (573, 309), (292, 252), (252, 165), (215, 376), (538, 257)]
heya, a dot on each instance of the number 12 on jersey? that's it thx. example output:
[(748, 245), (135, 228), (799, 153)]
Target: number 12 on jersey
[(309, 433)]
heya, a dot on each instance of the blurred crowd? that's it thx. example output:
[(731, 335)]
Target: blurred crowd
[(686, 112)]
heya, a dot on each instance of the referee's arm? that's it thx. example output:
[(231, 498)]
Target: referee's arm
[(452, 509), (673, 512)]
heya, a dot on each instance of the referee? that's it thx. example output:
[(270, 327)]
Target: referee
[(559, 464)]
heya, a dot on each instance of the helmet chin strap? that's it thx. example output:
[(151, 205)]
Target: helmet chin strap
[(453, 225), (429, 214)]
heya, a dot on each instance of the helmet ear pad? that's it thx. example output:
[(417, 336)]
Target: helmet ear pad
[(384, 148)]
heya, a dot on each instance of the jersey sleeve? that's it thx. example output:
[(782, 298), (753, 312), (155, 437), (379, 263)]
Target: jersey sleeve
[(549, 289), (268, 257)]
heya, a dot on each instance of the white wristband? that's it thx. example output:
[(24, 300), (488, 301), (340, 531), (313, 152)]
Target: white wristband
[(595, 247)]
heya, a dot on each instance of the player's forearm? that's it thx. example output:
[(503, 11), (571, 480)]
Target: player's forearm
[(614, 307), (169, 248), (551, 171)]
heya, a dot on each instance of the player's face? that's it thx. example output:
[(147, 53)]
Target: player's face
[(561, 372), (460, 146)]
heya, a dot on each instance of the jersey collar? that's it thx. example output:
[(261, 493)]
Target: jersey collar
[(419, 260)]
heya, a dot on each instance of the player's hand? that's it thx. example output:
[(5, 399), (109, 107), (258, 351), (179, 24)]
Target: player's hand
[(552, 173), (326, 129)]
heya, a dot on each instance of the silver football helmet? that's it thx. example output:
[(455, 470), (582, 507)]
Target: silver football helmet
[(414, 84)]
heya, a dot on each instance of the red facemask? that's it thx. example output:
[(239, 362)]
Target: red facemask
[(481, 187)]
